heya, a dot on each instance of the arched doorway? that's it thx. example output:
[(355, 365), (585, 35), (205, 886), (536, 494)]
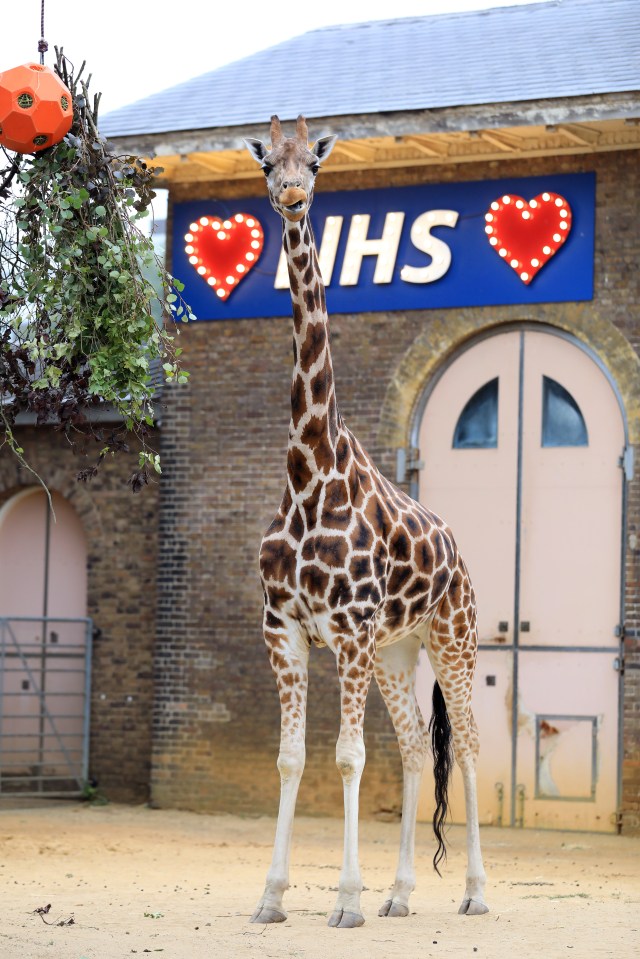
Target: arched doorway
[(522, 438), (44, 646)]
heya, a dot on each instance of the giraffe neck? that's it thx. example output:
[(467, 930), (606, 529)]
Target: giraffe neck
[(314, 412)]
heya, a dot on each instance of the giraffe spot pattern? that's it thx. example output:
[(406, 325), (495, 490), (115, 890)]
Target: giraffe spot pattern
[(350, 560)]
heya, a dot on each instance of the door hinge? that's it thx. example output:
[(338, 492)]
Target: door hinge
[(626, 462), (521, 795), (407, 461), (619, 665)]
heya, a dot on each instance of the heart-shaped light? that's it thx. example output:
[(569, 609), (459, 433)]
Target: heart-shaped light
[(223, 252), (527, 233)]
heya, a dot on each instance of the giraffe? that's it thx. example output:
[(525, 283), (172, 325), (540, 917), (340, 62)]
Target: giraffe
[(353, 563)]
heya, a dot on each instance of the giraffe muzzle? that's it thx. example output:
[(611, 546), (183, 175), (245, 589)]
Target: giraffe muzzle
[(293, 202)]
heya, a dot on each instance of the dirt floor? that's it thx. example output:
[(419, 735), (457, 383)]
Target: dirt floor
[(182, 886)]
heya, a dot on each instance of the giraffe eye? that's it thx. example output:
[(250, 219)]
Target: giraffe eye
[(315, 168), (266, 169)]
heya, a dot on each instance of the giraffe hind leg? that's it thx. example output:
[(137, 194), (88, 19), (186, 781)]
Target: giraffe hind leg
[(451, 649)]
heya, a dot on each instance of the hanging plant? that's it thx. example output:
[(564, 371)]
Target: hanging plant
[(79, 285)]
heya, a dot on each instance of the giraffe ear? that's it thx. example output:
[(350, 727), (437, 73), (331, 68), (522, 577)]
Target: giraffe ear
[(323, 147), (256, 148)]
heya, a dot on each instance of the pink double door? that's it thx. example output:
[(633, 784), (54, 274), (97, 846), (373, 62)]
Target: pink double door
[(44, 645), (522, 440)]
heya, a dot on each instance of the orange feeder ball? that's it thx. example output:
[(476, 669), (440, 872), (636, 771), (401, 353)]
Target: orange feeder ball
[(35, 108)]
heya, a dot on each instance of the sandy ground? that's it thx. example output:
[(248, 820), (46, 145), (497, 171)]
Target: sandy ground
[(179, 885)]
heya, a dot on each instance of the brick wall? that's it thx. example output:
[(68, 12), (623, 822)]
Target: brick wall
[(121, 531), (193, 542), (216, 722)]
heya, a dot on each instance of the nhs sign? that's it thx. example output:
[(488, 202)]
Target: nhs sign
[(476, 243)]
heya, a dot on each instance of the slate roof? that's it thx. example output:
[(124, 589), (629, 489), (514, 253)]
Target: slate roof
[(557, 49)]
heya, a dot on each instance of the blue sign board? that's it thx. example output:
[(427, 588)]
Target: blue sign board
[(436, 247)]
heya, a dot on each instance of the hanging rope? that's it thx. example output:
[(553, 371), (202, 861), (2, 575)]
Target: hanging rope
[(43, 46)]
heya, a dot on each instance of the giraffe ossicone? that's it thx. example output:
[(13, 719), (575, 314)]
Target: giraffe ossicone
[(353, 563)]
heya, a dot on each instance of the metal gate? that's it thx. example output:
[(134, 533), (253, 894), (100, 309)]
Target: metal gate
[(45, 669)]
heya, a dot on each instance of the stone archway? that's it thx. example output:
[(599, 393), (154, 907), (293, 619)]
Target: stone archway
[(448, 330), (13, 479)]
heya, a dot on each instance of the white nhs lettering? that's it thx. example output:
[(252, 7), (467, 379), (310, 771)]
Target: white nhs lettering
[(384, 248)]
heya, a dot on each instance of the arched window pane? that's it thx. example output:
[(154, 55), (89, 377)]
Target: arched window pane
[(477, 426), (562, 422)]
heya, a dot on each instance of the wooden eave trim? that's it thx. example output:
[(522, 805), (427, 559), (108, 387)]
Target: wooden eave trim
[(411, 151)]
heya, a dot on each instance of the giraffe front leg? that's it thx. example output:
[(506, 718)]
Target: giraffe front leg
[(396, 675), (289, 660), (355, 657)]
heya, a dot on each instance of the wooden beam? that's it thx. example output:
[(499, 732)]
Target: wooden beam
[(429, 146), (503, 141), (355, 151), (579, 133), (216, 162)]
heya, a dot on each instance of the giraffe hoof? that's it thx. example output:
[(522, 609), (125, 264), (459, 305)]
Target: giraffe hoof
[(473, 907), (340, 919), (266, 914), (393, 909)]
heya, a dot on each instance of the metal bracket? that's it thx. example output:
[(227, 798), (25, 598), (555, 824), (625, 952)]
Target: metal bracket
[(627, 462), (407, 461), (521, 796)]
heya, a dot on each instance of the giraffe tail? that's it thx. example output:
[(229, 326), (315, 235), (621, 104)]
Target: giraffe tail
[(440, 730)]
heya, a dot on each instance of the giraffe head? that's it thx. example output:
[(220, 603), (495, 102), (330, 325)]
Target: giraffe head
[(290, 167)]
